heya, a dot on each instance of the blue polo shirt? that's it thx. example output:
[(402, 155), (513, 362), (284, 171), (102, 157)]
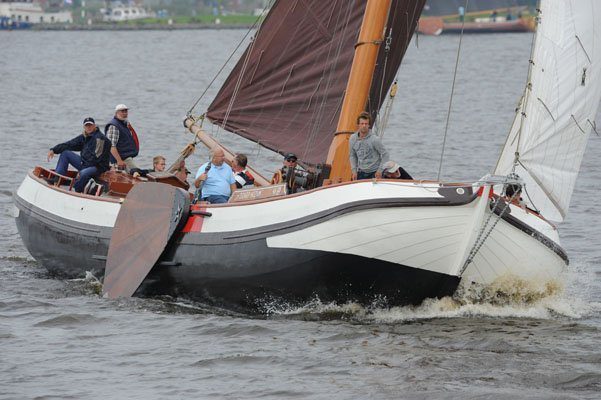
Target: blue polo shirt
[(218, 180)]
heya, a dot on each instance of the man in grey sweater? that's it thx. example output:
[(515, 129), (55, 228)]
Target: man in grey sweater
[(366, 152)]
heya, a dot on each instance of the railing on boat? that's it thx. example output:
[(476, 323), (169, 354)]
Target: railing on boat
[(115, 183)]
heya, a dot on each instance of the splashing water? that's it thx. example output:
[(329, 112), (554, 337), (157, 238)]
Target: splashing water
[(508, 296)]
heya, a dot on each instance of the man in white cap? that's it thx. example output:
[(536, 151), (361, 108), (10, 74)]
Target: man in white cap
[(124, 139), (392, 170)]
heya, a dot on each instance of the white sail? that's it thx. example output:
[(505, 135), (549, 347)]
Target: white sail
[(557, 113)]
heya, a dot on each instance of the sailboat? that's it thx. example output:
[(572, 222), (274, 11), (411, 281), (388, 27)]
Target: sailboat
[(312, 67)]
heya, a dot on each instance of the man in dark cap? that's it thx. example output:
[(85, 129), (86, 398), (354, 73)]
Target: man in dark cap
[(93, 159), (291, 174), (290, 160)]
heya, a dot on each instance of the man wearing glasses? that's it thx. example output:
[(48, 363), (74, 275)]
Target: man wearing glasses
[(124, 139), (290, 162)]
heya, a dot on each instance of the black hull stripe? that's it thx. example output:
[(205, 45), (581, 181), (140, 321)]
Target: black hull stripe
[(317, 218), (528, 230)]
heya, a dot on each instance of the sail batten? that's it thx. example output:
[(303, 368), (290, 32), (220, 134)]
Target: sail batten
[(286, 91), (550, 133)]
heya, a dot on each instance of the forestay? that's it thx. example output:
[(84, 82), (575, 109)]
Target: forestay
[(557, 112)]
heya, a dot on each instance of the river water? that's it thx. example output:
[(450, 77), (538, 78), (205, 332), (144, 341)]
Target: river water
[(60, 340)]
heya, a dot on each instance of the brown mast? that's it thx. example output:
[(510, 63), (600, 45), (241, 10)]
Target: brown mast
[(371, 37)]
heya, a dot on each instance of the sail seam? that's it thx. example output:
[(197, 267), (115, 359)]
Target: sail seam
[(577, 124), (546, 108), (583, 49)]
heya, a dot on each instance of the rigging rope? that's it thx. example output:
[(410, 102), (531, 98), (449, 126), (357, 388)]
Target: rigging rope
[(380, 99), (259, 18), (377, 122), (386, 115), (482, 236), (237, 86), (446, 128), (329, 76), (383, 122)]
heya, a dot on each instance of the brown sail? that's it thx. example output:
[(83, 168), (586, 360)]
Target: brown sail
[(288, 86)]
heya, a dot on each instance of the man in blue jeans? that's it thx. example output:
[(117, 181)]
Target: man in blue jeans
[(93, 159), (215, 179)]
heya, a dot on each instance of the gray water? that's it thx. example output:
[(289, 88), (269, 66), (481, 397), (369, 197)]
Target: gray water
[(60, 340)]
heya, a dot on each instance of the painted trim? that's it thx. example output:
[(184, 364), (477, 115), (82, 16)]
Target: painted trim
[(317, 218)]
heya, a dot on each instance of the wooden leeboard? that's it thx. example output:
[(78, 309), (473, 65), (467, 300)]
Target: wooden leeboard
[(148, 218)]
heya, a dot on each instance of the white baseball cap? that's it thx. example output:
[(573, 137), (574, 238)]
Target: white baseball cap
[(120, 107), (390, 167)]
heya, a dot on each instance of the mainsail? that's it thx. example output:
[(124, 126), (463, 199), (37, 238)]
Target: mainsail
[(286, 91), (557, 113)]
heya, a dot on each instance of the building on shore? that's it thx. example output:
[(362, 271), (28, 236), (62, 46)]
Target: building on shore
[(30, 12), (450, 7), (124, 11)]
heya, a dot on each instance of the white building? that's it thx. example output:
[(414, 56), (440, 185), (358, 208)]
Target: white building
[(28, 11), (126, 13)]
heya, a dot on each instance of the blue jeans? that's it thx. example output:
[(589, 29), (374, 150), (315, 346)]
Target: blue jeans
[(216, 199), (366, 175), (68, 157)]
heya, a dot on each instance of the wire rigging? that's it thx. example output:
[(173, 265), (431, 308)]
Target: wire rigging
[(253, 26), (446, 128)]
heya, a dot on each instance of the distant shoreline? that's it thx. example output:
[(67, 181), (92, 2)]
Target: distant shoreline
[(132, 27)]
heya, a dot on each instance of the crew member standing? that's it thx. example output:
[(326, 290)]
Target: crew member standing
[(366, 152), (124, 139)]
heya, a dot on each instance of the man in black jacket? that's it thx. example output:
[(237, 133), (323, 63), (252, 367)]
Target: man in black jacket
[(93, 160)]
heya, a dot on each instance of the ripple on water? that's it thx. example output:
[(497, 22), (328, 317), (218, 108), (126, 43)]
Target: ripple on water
[(575, 380), (24, 303), (239, 359), (69, 321)]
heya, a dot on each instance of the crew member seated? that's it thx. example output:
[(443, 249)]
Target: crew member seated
[(513, 193), (290, 161), (215, 179), (392, 170), (93, 159), (158, 165), (244, 179), (296, 179)]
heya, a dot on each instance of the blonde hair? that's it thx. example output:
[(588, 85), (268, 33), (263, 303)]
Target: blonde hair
[(156, 160)]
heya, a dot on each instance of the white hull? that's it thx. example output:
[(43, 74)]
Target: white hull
[(511, 252), (403, 223)]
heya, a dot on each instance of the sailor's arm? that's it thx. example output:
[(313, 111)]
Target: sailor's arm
[(115, 153), (353, 157), (201, 178), (75, 144), (112, 134)]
